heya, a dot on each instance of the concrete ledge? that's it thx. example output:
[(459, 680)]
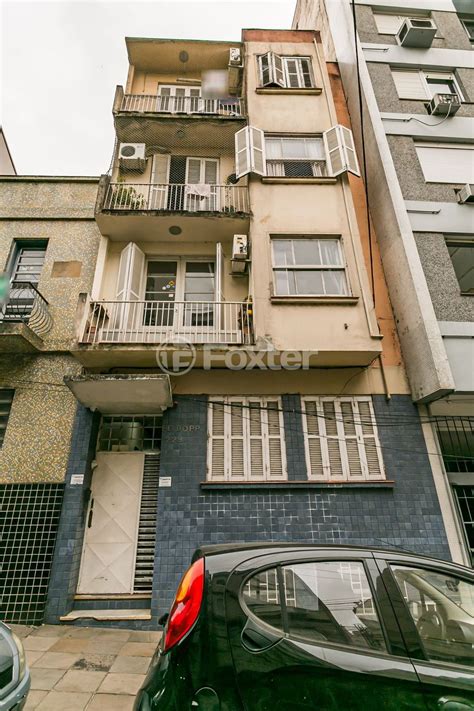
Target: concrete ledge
[(314, 91), (299, 181), (333, 300), (102, 615), (227, 486)]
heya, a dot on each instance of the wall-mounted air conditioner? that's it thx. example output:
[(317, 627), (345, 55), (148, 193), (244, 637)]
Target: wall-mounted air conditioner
[(444, 104), (240, 254), (417, 32), (235, 57), (466, 194), (132, 156)]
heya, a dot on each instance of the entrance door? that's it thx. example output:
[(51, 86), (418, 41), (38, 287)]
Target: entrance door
[(201, 189), (110, 540), (160, 294)]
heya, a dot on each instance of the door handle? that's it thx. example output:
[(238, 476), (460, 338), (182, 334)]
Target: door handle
[(256, 639), (91, 514), (454, 703)]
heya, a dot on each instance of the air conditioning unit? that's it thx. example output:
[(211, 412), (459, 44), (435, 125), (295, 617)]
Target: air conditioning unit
[(132, 156), (240, 254), (417, 32), (466, 194), (235, 57), (444, 104)]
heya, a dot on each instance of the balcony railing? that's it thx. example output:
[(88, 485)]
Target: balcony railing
[(152, 103), (199, 197), (173, 322), (25, 304)]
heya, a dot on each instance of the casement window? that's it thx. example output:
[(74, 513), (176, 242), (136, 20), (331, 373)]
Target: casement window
[(6, 399), (308, 266), (295, 156), (461, 251), (422, 85), (246, 439), (446, 162), (286, 72), (341, 439), (469, 27)]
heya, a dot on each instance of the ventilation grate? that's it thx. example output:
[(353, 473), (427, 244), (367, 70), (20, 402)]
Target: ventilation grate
[(147, 525), (29, 519)]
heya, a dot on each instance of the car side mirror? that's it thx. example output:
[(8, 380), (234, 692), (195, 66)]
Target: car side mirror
[(163, 619)]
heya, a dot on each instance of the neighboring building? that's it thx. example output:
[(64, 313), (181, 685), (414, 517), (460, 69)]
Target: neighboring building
[(232, 227), (48, 247), (414, 68), (7, 166)]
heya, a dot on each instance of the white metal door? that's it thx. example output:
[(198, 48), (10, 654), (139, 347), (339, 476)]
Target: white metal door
[(179, 99), (110, 540)]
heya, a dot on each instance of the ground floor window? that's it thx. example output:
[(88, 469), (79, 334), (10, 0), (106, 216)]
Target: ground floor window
[(246, 439), (130, 433)]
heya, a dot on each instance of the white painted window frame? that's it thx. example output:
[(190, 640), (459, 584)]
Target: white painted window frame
[(226, 402), (424, 76), (342, 438), (284, 59)]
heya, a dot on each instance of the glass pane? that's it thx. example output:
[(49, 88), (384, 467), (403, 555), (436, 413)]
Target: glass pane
[(200, 281), (284, 282), (282, 252), (330, 251), (306, 251), (462, 257), (315, 148), (334, 283), (160, 281), (441, 86), (309, 282), (293, 148), (262, 596), (332, 602), (442, 607)]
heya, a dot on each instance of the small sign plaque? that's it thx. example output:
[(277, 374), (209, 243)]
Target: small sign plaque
[(164, 481), (77, 479)]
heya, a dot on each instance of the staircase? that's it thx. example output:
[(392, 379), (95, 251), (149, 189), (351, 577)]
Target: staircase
[(147, 526)]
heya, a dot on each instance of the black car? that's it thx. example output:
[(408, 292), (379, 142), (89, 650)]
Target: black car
[(321, 628)]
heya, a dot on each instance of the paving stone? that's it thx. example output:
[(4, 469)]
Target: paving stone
[(22, 631), (45, 679), (130, 665), (64, 701), (138, 649), (82, 632), (49, 631), (39, 644), (94, 662), (34, 698), (122, 683), (75, 680), (69, 644), (111, 702), (104, 646), (138, 636), (56, 660), (118, 635), (32, 656)]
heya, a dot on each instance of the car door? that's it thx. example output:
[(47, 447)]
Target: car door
[(315, 630), (434, 603)]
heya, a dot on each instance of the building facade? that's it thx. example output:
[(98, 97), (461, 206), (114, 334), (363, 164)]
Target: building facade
[(48, 249), (408, 74), (241, 376)]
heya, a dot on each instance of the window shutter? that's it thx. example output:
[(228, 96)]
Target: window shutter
[(313, 437), (131, 269), (237, 444), (349, 150), (219, 272), (255, 438), (271, 70), (159, 179), (249, 151), (351, 441), (340, 151), (373, 454), (216, 449), (278, 70), (443, 163), (275, 440), (388, 24), (410, 84), (333, 428)]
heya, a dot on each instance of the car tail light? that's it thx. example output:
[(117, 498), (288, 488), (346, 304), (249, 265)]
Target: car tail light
[(187, 603)]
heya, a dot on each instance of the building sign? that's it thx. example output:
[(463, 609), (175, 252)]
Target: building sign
[(77, 479), (164, 481)]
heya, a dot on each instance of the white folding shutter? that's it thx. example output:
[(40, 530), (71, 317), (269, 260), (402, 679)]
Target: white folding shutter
[(131, 269), (266, 69), (274, 448), (313, 441), (410, 84), (370, 440), (255, 440), (257, 151), (388, 24), (219, 273), (340, 151), (355, 455), (160, 180), (334, 435), (236, 439), (249, 151), (349, 150), (216, 469), (278, 70)]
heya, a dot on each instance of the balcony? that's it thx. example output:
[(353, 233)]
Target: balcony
[(24, 319), (169, 121), (124, 209)]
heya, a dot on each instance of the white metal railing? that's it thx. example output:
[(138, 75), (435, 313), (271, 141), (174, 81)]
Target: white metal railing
[(218, 322), (153, 103), (188, 197)]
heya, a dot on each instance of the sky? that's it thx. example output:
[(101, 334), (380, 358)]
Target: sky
[(60, 63)]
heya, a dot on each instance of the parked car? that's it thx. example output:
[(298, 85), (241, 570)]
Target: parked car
[(14, 673), (322, 628)]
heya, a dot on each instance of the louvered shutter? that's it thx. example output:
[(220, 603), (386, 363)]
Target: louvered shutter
[(314, 440), (410, 84), (388, 24), (216, 449), (249, 151), (354, 466), (131, 269), (242, 152), (255, 440), (352, 165), (257, 151), (340, 151), (333, 428), (237, 441), (373, 453), (278, 70), (275, 440)]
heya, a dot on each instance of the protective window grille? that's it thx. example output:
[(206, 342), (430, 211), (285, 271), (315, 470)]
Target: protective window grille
[(246, 440), (130, 433), (456, 440), (29, 520), (341, 439), (6, 399), (465, 501), (294, 157), (307, 266)]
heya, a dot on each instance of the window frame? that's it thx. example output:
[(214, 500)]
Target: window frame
[(295, 137), (9, 395), (462, 242), (262, 402), (470, 33), (424, 76), (307, 267), (299, 72)]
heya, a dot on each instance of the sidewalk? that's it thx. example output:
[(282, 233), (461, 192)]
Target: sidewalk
[(85, 668)]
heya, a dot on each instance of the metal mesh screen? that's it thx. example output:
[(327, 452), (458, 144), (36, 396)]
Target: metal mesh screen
[(29, 520), (456, 439)]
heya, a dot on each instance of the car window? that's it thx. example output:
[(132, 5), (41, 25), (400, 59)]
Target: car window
[(262, 596), (442, 607)]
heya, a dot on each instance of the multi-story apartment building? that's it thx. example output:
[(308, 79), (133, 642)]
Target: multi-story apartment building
[(235, 240), (48, 248), (408, 72)]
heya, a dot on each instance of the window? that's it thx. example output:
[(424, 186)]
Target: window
[(308, 267), (341, 439), (469, 27), (456, 440), (295, 157), (416, 84), (325, 602), (446, 163), (464, 496), (130, 433), (287, 72), (388, 24), (462, 256), (246, 439), (6, 399), (442, 608)]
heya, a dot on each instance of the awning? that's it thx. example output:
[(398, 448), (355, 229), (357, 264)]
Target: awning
[(122, 394)]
